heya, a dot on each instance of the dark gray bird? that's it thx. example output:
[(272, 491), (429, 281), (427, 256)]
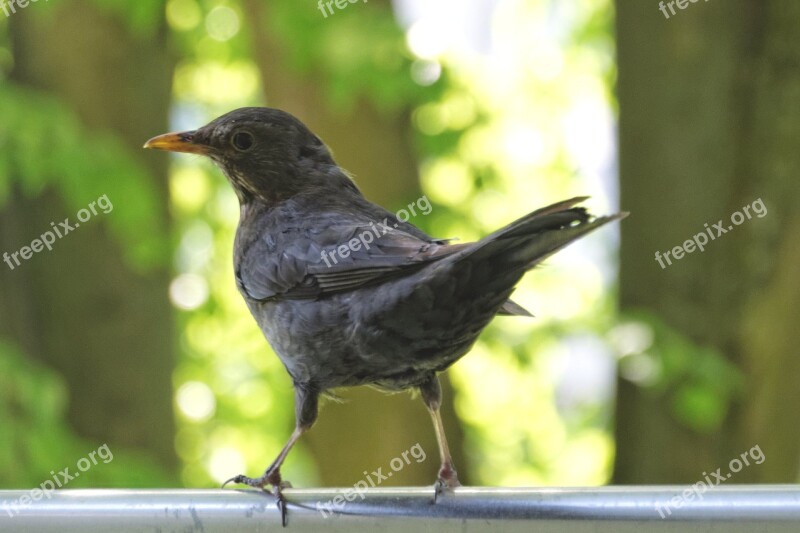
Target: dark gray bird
[(392, 312)]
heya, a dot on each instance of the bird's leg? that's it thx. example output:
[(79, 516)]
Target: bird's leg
[(272, 475), (306, 401), (432, 396)]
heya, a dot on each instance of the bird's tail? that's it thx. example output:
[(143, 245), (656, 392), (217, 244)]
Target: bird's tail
[(473, 284), (496, 263), (529, 240)]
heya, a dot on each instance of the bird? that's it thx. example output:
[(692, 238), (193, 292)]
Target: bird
[(391, 313)]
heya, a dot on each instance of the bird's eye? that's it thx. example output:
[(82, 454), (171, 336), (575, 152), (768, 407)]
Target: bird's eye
[(242, 141)]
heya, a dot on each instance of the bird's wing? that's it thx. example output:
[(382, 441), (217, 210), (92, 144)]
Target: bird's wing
[(309, 263)]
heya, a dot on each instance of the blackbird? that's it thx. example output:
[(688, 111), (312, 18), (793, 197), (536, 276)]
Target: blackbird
[(390, 313)]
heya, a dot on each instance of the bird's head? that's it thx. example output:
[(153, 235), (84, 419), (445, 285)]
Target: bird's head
[(265, 153)]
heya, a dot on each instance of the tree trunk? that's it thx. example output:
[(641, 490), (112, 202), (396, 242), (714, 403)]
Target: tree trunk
[(709, 122), (107, 329)]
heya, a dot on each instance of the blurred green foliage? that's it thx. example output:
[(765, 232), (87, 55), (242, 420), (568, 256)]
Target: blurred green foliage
[(362, 55), (141, 18), (495, 139), (36, 440), (44, 146), (700, 383)]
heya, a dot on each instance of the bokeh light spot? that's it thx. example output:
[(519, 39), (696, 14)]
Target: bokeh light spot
[(183, 15), (188, 291), (196, 401), (222, 23)]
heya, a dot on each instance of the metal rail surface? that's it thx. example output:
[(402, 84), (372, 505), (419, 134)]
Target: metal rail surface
[(743, 508)]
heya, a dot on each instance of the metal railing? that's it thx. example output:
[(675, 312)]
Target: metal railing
[(744, 508)]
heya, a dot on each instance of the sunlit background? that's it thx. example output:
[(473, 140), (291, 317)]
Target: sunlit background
[(490, 108), (523, 117), (508, 107)]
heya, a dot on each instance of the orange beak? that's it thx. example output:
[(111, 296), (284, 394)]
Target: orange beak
[(177, 142)]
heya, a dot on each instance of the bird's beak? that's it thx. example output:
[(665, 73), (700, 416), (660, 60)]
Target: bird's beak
[(178, 142)]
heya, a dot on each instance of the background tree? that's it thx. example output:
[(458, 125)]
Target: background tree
[(97, 315), (708, 124)]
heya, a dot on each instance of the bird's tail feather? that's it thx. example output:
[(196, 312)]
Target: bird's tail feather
[(529, 240), (485, 272)]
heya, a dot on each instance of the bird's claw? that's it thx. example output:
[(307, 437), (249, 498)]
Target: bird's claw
[(446, 482), (270, 477), (257, 483)]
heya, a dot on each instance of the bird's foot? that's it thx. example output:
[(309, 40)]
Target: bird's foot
[(446, 482), (271, 477)]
